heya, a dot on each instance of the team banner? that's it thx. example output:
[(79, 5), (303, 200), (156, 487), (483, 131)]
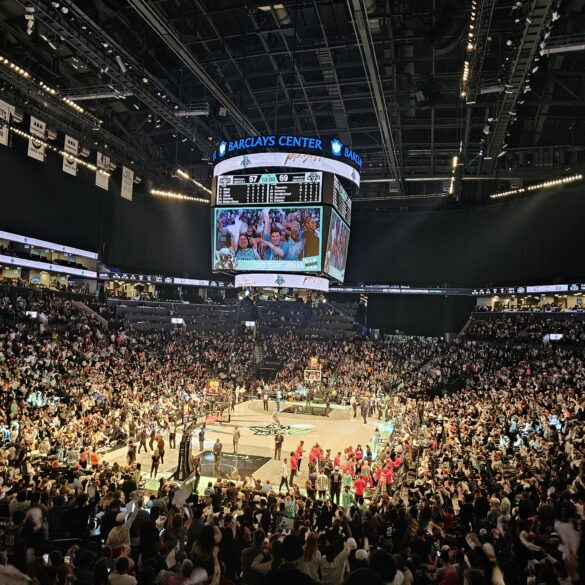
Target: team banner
[(6, 112), (36, 148), (71, 146), (282, 281), (127, 183), (103, 163)]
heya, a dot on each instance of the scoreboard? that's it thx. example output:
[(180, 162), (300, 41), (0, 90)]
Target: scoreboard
[(310, 208), (341, 201), (261, 189)]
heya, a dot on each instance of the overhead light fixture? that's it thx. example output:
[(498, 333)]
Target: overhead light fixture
[(538, 186), (555, 15), (501, 153), (177, 196), (121, 64), (193, 112), (186, 177)]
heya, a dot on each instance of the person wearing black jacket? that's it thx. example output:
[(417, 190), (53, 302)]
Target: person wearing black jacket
[(250, 576), (77, 517), (56, 518)]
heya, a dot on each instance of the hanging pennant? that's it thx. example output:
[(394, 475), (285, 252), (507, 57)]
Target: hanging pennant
[(36, 148), (102, 163), (127, 183), (71, 146), (6, 112)]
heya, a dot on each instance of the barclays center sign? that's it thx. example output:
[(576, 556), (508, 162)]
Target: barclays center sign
[(333, 148)]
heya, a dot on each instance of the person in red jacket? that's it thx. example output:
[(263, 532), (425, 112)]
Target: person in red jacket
[(299, 454), (293, 468), (359, 485), (388, 474)]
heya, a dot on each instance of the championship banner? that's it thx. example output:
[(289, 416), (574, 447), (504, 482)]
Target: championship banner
[(71, 146), (127, 183), (6, 112), (103, 163), (36, 149)]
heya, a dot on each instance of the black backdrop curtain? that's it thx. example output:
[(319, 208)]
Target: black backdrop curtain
[(531, 240)]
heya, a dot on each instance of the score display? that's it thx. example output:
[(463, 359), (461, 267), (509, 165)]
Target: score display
[(261, 189), (341, 201)]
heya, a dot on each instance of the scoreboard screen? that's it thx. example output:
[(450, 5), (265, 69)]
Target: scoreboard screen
[(267, 188), (341, 201)]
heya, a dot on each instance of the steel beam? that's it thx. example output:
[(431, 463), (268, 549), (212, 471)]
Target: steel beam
[(538, 16), (359, 18), (93, 50), (171, 38)]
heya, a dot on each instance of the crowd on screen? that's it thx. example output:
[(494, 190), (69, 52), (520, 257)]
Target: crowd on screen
[(481, 485), (268, 234)]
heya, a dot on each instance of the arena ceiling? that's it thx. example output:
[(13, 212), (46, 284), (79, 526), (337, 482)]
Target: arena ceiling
[(170, 78)]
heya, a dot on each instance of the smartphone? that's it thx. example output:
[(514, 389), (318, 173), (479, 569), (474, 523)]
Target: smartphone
[(66, 559)]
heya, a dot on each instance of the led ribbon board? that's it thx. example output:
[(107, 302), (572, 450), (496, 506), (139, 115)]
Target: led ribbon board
[(293, 160), (282, 281), (306, 144)]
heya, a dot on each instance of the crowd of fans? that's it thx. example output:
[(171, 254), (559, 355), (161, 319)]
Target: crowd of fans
[(526, 328), (482, 486)]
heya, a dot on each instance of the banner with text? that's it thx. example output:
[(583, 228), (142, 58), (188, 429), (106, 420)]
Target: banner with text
[(6, 112), (36, 148), (282, 281), (127, 183), (71, 146), (103, 163)]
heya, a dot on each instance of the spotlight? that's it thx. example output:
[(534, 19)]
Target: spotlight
[(555, 15)]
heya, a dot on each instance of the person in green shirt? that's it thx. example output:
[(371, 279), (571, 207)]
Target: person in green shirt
[(346, 497), (347, 480), (289, 507)]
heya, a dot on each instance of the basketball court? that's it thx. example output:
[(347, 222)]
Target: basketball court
[(255, 457)]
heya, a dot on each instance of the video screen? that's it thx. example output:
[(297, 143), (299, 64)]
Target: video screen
[(279, 239), (337, 244)]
